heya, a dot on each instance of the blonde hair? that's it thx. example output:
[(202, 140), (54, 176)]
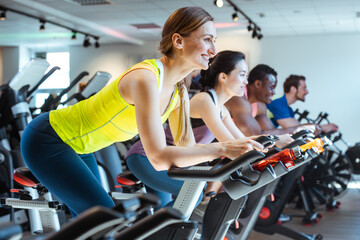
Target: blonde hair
[(184, 135), (183, 21)]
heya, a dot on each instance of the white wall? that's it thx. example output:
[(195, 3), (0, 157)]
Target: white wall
[(10, 63), (114, 59), (330, 64), (1, 66)]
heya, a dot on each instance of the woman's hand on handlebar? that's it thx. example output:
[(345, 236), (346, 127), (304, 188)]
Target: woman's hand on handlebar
[(238, 147), (284, 140)]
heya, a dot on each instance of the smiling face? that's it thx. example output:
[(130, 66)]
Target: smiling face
[(199, 45), (301, 91), (237, 79), (268, 86)]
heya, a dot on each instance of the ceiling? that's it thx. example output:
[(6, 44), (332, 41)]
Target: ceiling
[(113, 23)]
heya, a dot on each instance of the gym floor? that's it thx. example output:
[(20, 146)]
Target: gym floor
[(342, 223)]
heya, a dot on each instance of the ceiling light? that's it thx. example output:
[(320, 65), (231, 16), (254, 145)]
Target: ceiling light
[(3, 15), (97, 44), (254, 34), (42, 25), (73, 36), (249, 28), (235, 17), (219, 3), (86, 42), (260, 36)]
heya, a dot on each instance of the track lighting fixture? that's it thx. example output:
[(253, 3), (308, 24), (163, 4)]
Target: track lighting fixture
[(97, 45), (3, 15), (42, 25), (86, 42), (235, 17), (251, 26), (254, 34), (219, 3), (73, 35)]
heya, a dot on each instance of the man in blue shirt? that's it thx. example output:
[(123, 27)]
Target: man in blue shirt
[(283, 115)]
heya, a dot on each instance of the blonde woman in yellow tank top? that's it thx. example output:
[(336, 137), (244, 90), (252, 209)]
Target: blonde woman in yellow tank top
[(58, 146)]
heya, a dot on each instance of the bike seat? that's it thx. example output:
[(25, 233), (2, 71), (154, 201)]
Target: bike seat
[(128, 182), (127, 178), (25, 177)]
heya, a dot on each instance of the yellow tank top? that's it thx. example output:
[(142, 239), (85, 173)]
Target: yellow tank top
[(104, 118)]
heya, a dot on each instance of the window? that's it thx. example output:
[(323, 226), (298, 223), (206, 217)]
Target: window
[(57, 81)]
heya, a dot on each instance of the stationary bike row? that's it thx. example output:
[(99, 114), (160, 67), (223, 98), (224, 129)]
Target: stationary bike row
[(222, 172), (271, 208), (246, 221), (225, 207), (328, 176), (101, 223), (18, 114), (15, 115), (26, 174), (24, 177)]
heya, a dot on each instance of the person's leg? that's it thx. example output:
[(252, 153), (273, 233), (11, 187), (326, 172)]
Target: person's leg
[(159, 181), (60, 169), (165, 197), (140, 166), (90, 161)]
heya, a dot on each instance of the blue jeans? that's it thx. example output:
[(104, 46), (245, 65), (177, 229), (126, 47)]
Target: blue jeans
[(73, 178), (156, 182)]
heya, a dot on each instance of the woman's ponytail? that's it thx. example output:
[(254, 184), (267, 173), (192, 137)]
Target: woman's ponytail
[(184, 135)]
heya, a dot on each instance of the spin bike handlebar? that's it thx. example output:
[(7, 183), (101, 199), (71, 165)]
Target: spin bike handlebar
[(46, 76), (303, 134), (223, 168), (226, 168)]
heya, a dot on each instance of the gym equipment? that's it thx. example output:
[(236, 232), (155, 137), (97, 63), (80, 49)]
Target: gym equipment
[(53, 101), (328, 175), (225, 207), (262, 212), (14, 117), (29, 74), (33, 197), (186, 200), (101, 223), (95, 84), (195, 178)]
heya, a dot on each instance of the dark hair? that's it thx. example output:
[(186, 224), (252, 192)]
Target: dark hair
[(292, 80), (183, 21), (260, 72), (225, 62)]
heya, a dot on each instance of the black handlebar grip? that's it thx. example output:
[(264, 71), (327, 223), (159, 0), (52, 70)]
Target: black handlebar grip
[(301, 133), (224, 168), (266, 141)]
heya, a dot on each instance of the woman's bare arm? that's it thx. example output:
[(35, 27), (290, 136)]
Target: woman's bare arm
[(142, 91)]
